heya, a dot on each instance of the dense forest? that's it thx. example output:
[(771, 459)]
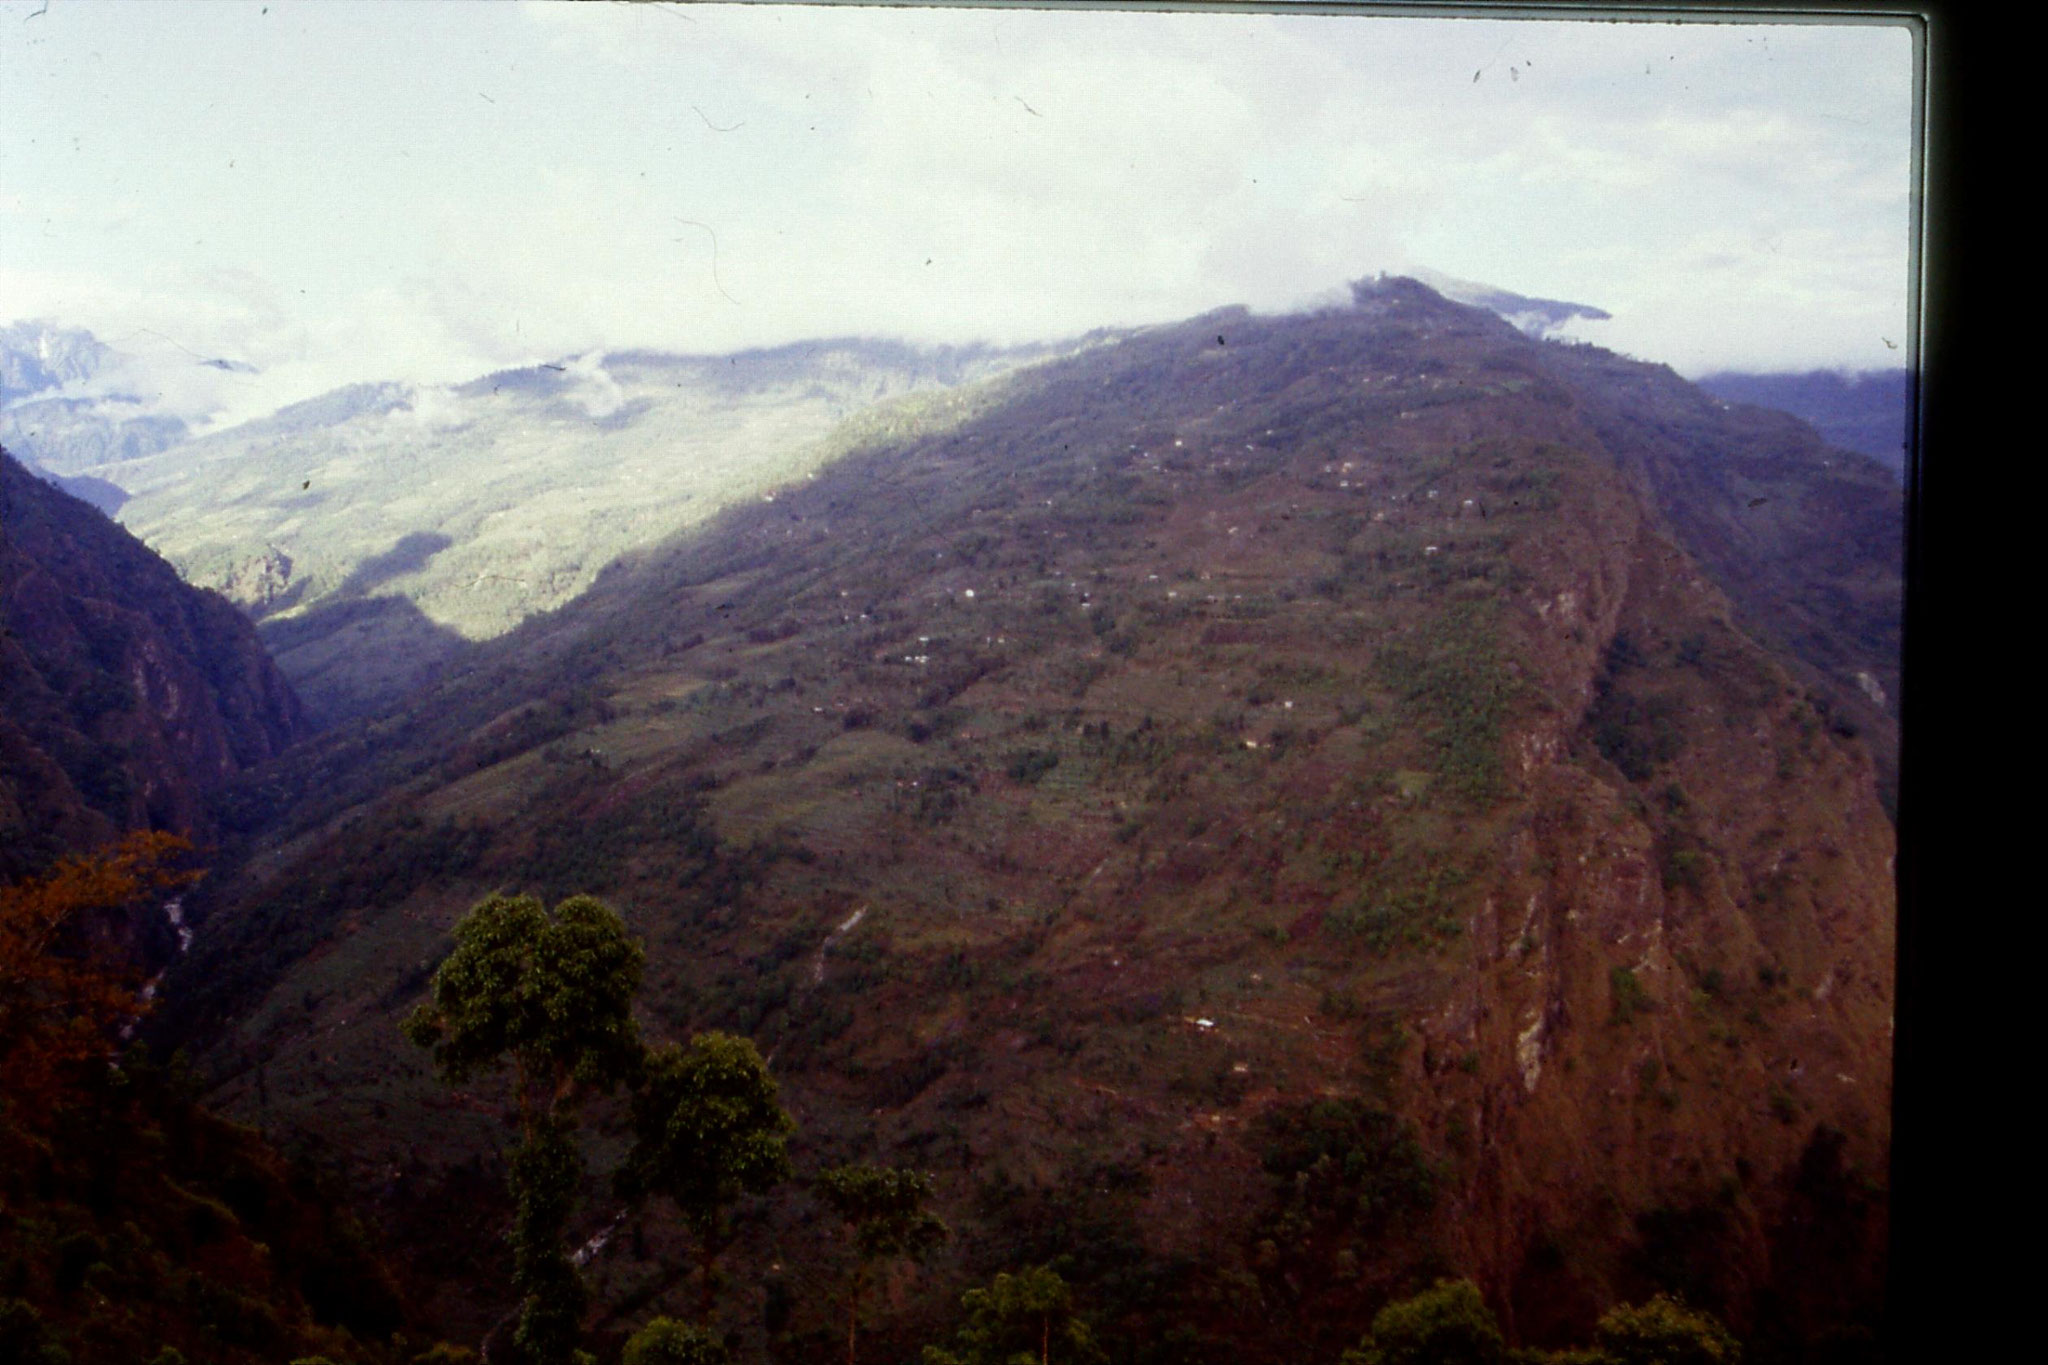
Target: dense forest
[(141, 1226)]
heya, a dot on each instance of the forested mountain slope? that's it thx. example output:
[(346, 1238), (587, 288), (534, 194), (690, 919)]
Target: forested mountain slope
[(127, 698), (1273, 809)]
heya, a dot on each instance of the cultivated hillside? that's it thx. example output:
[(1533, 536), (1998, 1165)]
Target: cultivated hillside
[(375, 530), (1272, 809)]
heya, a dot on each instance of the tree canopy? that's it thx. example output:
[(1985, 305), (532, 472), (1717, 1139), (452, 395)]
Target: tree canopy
[(1020, 1318), (553, 993), (664, 1341), (1665, 1332), (885, 1209), (708, 1127), (1448, 1324)]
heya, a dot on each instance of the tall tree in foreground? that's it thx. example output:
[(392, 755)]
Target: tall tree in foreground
[(708, 1127), (885, 1209), (1449, 1324), (554, 995), (1020, 1318)]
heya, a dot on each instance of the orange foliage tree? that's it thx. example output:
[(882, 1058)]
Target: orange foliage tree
[(61, 999)]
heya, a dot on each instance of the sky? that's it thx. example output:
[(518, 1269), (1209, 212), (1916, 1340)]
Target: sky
[(353, 191)]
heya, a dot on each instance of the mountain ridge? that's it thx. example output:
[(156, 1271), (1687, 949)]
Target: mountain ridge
[(1323, 724), (1865, 411), (525, 483)]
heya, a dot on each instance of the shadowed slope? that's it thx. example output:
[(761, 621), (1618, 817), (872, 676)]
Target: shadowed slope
[(129, 697)]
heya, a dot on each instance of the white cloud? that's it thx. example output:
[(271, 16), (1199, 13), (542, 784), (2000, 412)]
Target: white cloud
[(430, 192), (595, 391)]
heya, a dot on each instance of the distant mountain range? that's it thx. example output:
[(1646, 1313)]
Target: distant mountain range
[(376, 529), (41, 357), (68, 402), (1865, 412)]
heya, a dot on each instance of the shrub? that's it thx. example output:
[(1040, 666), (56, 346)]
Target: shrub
[(1029, 765), (1684, 867), (1345, 1164), (24, 1337), (1626, 995), (1448, 1324), (664, 1341), (1635, 734), (444, 1353), (1456, 679), (1665, 1332)]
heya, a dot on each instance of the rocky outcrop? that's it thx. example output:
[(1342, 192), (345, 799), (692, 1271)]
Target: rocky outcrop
[(1680, 995)]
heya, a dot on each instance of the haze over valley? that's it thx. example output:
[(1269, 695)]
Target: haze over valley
[(374, 529)]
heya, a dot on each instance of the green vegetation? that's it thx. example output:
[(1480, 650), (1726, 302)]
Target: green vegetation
[(1343, 1172), (550, 993), (885, 1211), (1450, 1324), (1027, 1316), (1665, 1332), (1625, 995), (554, 995), (1020, 789), (501, 517), (1406, 903), (1636, 734), (25, 1339), (134, 1224), (394, 855), (1029, 765), (664, 1341), (1453, 678), (707, 1128)]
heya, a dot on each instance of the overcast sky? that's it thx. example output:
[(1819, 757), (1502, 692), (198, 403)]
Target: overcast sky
[(355, 191)]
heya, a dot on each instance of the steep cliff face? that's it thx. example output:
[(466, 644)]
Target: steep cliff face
[(1272, 809), (1680, 992), (1806, 539), (125, 695)]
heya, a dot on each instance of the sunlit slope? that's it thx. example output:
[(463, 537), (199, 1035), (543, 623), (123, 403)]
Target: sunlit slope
[(1272, 808), (377, 528)]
